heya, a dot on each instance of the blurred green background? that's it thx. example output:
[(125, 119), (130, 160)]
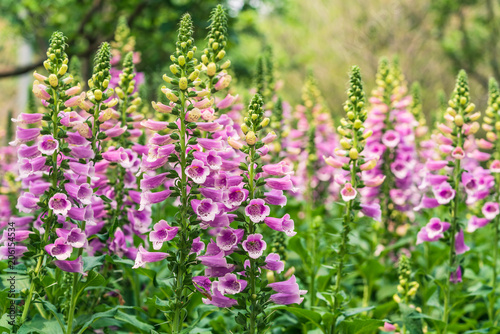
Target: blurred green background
[(433, 40)]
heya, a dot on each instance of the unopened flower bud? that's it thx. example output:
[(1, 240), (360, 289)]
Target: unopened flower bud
[(181, 60), (353, 153), (112, 103), (215, 45), (194, 75), (358, 124), (226, 64), (190, 54), (167, 78), (173, 69), (345, 143), (396, 298), (459, 120), (244, 128), (470, 108), (63, 69), (53, 80), (250, 138), (463, 100), (98, 94), (211, 69), (119, 92), (265, 122), (234, 144), (193, 115), (204, 59), (475, 116), (221, 54), (183, 83)]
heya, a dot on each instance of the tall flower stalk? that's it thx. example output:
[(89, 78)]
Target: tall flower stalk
[(350, 158), (492, 126), (449, 179), (97, 94), (44, 154)]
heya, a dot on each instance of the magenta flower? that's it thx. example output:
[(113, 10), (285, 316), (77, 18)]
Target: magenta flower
[(433, 231), (148, 198), (460, 246), (388, 327), (197, 246), (495, 166), (476, 223), (206, 209), (27, 203), (197, 171), (254, 245), (161, 233), (218, 299), (60, 249), (456, 277), (391, 138), (25, 118), (284, 224), (82, 192), (230, 284), (273, 263), (75, 266), (48, 145), (228, 238), (284, 183), (288, 292), (74, 237), (444, 193), (275, 197), (60, 204), (202, 284), (256, 210), (348, 192), (143, 257), (235, 196), (435, 165), (279, 169), (372, 210), (490, 210)]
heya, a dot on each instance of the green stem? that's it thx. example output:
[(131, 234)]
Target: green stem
[(251, 230), (74, 294), (495, 261), (55, 172), (184, 228), (453, 231)]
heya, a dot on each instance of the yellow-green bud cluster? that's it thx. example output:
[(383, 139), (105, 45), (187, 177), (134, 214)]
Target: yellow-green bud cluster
[(127, 82), (57, 59), (384, 81), (184, 64), (352, 125), (255, 120), (407, 289), (492, 115), (99, 82), (460, 109), (398, 82), (217, 35), (124, 41)]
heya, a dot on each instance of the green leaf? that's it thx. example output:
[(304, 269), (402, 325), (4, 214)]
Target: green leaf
[(93, 279), (353, 311), (90, 262), (52, 309), (203, 311), (314, 317), (40, 325), (106, 314), (132, 320), (360, 326)]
